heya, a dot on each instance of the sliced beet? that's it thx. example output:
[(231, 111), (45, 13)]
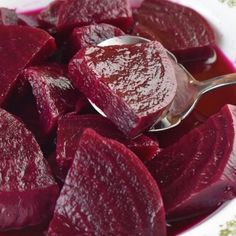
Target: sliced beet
[(8, 17), (204, 167), (48, 18), (108, 191), (132, 84), (28, 45), (54, 94), (71, 127), (29, 19), (92, 35), (180, 29), (135, 3), (76, 13), (28, 191)]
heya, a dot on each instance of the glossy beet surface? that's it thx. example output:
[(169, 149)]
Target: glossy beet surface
[(92, 35), (48, 18), (28, 191), (28, 45), (131, 84), (180, 29), (8, 17), (71, 127), (74, 13), (54, 93), (108, 191), (200, 166)]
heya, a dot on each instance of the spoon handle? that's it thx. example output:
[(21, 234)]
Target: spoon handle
[(217, 82)]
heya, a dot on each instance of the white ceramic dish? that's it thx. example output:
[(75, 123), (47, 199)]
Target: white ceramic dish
[(222, 15)]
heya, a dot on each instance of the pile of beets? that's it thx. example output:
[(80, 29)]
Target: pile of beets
[(65, 165)]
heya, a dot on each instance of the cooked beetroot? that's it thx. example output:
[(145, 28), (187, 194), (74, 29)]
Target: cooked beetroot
[(131, 84), (54, 93), (73, 13), (198, 173), (29, 19), (8, 17), (92, 35), (71, 127), (28, 191), (135, 3), (20, 46), (108, 191), (48, 18), (180, 29)]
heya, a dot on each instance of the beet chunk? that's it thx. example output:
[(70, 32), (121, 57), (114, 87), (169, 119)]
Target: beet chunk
[(20, 46), (28, 191), (131, 84), (54, 94), (73, 13), (71, 127), (200, 168), (92, 35), (180, 29), (8, 17), (48, 18), (108, 191)]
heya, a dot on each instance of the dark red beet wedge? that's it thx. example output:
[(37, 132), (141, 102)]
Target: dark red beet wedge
[(28, 191), (92, 35), (71, 127), (54, 94), (132, 84), (200, 168), (20, 46), (8, 17), (180, 29), (73, 13), (108, 191), (48, 18), (28, 19)]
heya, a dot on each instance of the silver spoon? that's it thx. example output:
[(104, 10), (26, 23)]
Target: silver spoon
[(189, 90)]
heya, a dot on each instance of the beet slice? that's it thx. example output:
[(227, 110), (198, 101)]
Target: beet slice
[(204, 163), (54, 94), (48, 18), (92, 35), (71, 127), (28, 191), (28, 45), (132, 84), (8, 17), (180, 29), (73, 13), (108, 191)]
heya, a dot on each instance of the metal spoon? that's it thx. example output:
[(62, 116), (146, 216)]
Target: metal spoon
[(189, 90)]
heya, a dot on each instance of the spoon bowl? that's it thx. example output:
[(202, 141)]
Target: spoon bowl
[(189, 90)]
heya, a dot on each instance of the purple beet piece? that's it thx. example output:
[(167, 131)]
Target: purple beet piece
[(200, 168), (71, 127), (8, 17), (29, 19), (132, 84), (20, 46), (54, 94), (28, 192), (77, 13), (92, 35), (48, 18), (108, 191), (180, 29), (135, 3)]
